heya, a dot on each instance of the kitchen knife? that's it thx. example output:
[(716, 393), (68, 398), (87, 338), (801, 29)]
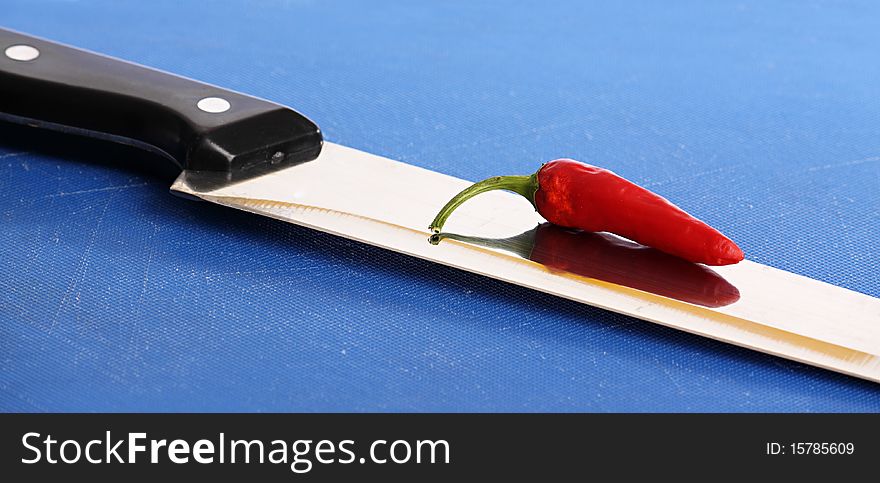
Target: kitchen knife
[(254, 155)]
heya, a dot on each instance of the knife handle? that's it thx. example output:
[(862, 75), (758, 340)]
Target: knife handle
[(199, 126)]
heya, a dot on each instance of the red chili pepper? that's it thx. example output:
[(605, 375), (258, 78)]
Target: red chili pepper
[(576, 195)]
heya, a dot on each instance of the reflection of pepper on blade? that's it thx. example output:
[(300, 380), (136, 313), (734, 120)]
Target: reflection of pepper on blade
[(609, 258)]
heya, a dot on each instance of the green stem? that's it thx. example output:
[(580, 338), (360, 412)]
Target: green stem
[(523, 185)]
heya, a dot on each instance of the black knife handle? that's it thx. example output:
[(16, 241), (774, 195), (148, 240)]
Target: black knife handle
[(79, 91)]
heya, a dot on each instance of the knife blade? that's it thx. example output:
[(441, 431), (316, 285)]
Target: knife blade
[(250, 154)]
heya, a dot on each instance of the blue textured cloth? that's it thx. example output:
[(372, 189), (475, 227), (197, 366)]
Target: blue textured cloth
[(764, 120)]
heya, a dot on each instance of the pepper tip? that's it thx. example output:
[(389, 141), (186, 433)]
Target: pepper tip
[(730, 254)]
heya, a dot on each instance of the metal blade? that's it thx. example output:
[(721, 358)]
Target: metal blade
[(389, 204)]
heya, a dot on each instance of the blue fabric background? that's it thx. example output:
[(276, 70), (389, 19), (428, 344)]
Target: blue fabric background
[(762, 119)]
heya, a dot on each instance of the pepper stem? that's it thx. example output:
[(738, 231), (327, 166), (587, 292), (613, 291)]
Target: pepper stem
[(523, 185)]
